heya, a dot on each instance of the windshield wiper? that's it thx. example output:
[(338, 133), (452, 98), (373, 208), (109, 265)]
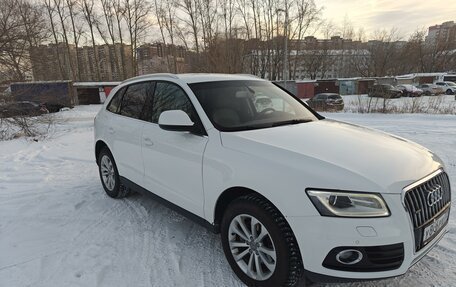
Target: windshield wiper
[(291, 122)]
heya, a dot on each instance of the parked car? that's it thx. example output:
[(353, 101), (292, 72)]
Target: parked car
[(410, 91), (326, 102), (291, 192), (385, 91), (431, 89), (449, 87), (53, 107), (23, 108)]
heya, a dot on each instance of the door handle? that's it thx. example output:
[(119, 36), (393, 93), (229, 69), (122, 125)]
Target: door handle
[(111, 130), (148, 142)]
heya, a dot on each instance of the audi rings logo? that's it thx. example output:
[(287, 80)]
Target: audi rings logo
[(434, 196)]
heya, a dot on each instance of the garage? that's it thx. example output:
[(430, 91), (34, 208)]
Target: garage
[(89, 93)]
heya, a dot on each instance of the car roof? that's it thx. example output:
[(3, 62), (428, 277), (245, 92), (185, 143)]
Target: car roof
[(195, 77), (328, 94)]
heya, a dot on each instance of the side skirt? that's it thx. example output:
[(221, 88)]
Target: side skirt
[(195, 218)]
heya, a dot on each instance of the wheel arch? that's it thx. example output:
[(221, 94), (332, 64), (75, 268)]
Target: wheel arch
[(228, 196), (100, 144)]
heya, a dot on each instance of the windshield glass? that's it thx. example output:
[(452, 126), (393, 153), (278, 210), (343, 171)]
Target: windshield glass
[(451, 84), (245, 105)]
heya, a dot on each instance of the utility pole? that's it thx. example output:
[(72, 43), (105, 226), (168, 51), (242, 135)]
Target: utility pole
[(285, 55), (285, 52)]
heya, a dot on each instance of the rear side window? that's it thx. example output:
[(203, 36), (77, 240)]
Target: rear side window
[(134, 99), (116, 100), (169, 96)]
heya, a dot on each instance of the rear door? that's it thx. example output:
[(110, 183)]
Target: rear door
[(173, 161), (321, 102), (125, 130)]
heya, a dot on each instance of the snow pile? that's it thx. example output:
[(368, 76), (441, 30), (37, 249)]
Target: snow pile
[(58, 228)]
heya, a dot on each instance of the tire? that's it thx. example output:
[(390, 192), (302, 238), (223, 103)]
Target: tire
[(279, 242), (449, 92), (107, 166)]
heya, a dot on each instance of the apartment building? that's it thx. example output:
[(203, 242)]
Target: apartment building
[(102, 63), (443, 32), (160, 58)]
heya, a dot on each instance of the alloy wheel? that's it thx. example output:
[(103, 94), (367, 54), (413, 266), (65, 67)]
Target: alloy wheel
[(252, 247), (107, 172)]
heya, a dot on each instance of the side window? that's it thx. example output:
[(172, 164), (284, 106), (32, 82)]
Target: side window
[(169, 96), (114, 105), (134, 99)]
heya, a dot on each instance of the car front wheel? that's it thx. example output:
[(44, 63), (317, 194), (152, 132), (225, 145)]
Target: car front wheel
[(259, 244)]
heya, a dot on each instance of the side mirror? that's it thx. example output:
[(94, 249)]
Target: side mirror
[(175, 120)]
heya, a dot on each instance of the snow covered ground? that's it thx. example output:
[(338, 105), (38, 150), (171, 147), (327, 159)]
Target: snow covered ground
[(58, 228), (443, 104)]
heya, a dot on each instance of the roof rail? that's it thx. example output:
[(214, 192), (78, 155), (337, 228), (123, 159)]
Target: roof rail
[(168, 75), (248, 75)]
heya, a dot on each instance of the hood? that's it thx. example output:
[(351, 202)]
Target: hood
[(338, 155)]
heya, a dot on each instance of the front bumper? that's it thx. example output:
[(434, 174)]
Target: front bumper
[(318, 235)]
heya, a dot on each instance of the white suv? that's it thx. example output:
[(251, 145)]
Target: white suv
[(448, 87), (291, 193)]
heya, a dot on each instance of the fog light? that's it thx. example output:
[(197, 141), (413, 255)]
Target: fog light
[(349, 256)]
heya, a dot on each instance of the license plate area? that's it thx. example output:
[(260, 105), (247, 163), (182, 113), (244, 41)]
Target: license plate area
[(428, 232)]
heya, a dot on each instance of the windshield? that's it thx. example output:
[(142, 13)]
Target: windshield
[(451, 84), (245, 105)]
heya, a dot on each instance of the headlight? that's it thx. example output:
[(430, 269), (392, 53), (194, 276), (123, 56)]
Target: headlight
[(348, 204)]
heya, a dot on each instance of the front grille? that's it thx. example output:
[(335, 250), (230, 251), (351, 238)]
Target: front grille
[(423, 206)]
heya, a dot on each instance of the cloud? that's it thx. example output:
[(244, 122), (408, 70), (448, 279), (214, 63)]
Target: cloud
[(404, 15)]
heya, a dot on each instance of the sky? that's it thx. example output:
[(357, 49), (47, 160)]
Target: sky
[(405, 15)]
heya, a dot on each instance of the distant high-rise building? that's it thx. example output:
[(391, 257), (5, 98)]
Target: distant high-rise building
[(114, 62), (52, 62), (443, 32), (57, 62), (160, 58), (309, 58)]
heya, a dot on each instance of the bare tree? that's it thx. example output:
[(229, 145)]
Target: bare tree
[(87, 8), (162, 18), (108, 26), (119, 13), (76, 31), (21, 27), (307, 14), (59, 7), (136, 17), (190, 9), (50, 9)]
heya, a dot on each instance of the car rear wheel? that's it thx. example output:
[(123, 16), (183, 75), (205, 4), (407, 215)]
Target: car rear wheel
[(259, 244), (109, 175)]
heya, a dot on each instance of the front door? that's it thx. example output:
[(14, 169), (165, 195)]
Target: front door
[(173, 161)]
